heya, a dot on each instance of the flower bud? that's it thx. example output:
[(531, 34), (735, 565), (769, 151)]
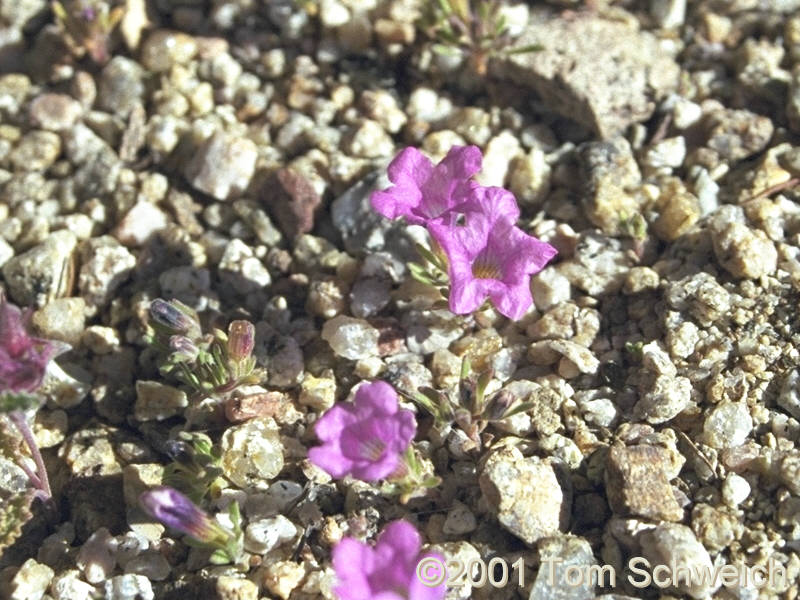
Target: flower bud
[(174, 317), (184, 349), (177, 511), (241, 340)]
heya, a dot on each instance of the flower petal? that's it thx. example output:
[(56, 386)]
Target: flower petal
[(330, 425), (513, 301), (410, 165), (329, 458), (376, 397)]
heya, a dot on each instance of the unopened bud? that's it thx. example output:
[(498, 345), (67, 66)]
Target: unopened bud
[(175, 317), (175, 510), (241, 340), (499, 405), (184, 349)]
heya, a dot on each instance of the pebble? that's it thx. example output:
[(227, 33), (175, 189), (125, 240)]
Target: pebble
[(235, 588), (425, 104), (727, 425), (36, 151), (121, 86), (137, 478), (369, 140), (36, 276), (264, 535), (55, 112), (737, 134), (369, 296), (96, 557), (676, 545), (525, 494), (282, 577), (318, 393), (105, 265), (152, 565), (67, 585), (497, 158), (637, 482), (743, 252), (222, 166), (463, 553), (129, 587), (156, 401), (163, 49), (529, 177), (292, 200), (663, 398), (30, 582), (460, 520), (62, 319), (615, 89), (240, 270), (252, 453), (351, 338), (560, 557), (789, 395), (140, 223), (735, 490)]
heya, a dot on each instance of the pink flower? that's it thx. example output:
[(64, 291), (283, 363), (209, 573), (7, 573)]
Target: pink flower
[(387, 571), (422, 192), (23, 358), (365, 438), (489, 256)]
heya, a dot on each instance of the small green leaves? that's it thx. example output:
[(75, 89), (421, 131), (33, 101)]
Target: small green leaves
[(18, 401), (212, 363), (195, 469), (14, 513), (88, 26), (475, 28)]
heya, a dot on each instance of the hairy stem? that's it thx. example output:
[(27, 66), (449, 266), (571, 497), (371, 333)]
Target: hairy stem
[(41, 481)]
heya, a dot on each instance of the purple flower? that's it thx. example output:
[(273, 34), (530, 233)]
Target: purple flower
[(23, 358), (489, 256), (422, 192), (365, 438), (387, 571), (175, 510)]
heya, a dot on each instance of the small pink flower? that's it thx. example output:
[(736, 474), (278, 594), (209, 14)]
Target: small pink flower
[(421, 191), (387, 571), (489, 256), (23, 358), (365, 438)]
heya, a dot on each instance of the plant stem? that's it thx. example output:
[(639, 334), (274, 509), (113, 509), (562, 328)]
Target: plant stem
[(43, 483)]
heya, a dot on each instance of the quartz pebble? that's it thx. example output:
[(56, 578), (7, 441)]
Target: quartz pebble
[(129, 587), (264, 535), (222, 166), (351, 338), (735, 489), (156, 401), (675, 544), (727, 425), (252, 453), (525, 494), (30, 582), (561, 556), (96, 558)]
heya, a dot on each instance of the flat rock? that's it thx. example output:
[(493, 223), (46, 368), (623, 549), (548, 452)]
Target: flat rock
[(602, 73), (525, 494), (637, 482)]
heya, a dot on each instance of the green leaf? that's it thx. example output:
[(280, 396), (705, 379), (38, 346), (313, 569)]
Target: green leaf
[(18, 401), (419, 273), (14, 513), (525, 49), (519, 408), (220, 557)]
